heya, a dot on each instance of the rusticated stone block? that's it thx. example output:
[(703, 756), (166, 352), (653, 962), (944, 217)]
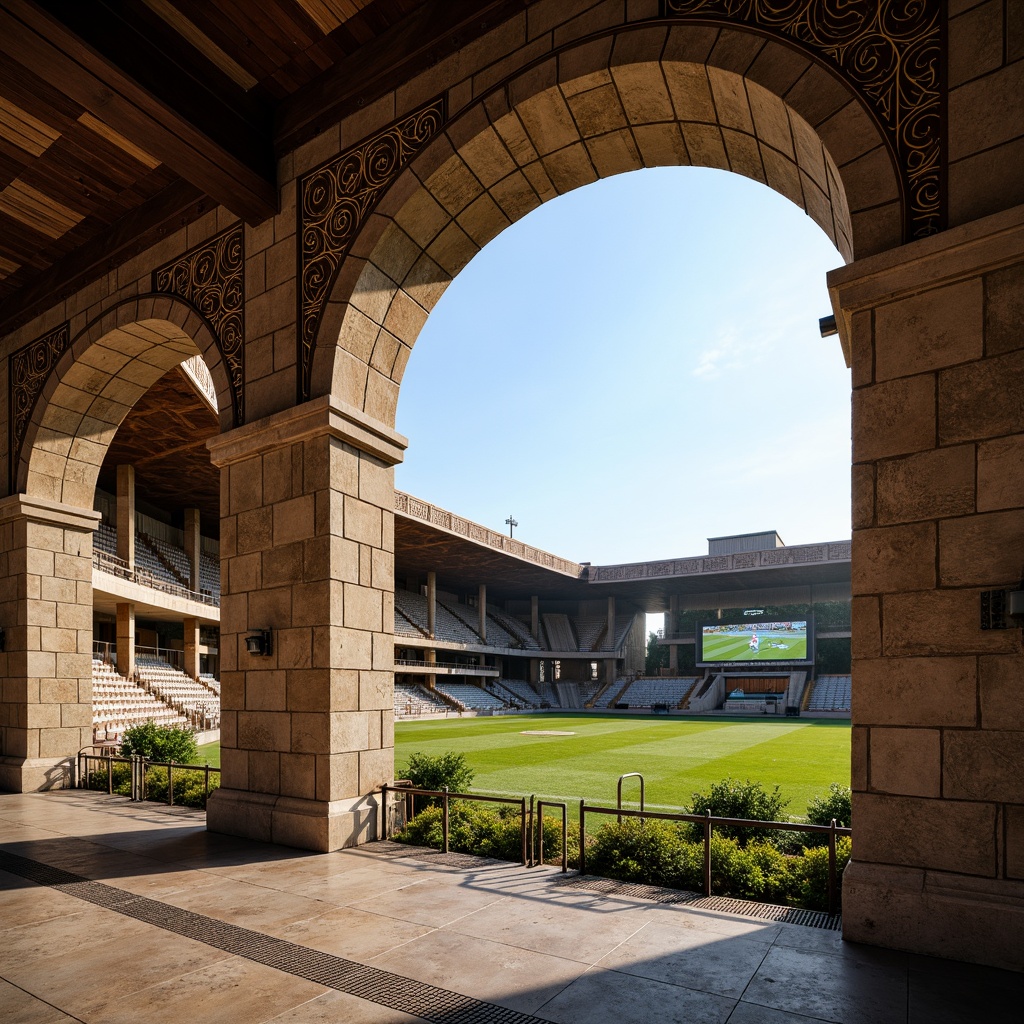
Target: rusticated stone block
[(981, 550), (983, 764), (941, 835), (982, 399), (866, 641), (906, 762), (937, 328), (1001, 682), (915, 691), (894, 558), (939, 622), (859, 758), (1015, 842), (1001, 473), (863, 496), (896, 417), (928, 485), (1004, 310)]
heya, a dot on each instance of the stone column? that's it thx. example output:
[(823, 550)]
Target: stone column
[(126, 514), (673, 658), (192, 543), (126, 639), (46, 666), (431, 602), (535, 617), (671, 629), (481, 602), (430, 657), (307, 549), (191, 627), (610, 645), (935, 333)]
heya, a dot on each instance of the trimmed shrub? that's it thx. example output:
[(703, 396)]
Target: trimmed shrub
[(160, 743), (437, 771), (731, 798)]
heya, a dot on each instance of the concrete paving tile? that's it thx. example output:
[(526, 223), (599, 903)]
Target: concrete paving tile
[(820, 940), (608, 997), (97, 972), (352, 887), (945, 993), (520, 979), (831, 987), (250, 906), (234, 991), (18, 1007), (749, 1013), (351, 933), (573, 932), (715, 923), (22, 902), (332, 1007), (698, 960), (429, 904)]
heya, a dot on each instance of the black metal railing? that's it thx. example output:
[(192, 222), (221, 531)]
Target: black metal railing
[(89, 764)]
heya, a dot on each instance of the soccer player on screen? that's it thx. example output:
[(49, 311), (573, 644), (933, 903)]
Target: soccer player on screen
[(755, 644)]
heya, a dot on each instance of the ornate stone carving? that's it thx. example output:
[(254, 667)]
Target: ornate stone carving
[(27, 370), (211, 279), (890, 53), (334, 202)]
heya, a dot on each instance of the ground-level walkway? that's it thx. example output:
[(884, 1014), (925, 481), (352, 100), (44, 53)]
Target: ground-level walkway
[(111, 911)]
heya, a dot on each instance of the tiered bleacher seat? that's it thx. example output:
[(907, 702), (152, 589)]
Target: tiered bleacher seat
[(519, 631), (645, 693), (147, 561), (175, 556), (193, 699), (830, 693), (589, 631), (212, 682), (209, 574), (412, 700), (610, 695), (589, 690), (470, 696), (497, 635), (413, 607), (118, 704), (523, 690), (105, 539)]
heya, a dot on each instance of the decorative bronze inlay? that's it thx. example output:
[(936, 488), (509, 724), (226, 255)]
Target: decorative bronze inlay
[(890, 53), (27, 370), (334, 201), (211, 278)]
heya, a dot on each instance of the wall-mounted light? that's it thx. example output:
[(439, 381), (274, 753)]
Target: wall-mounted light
[(259, 642), (827, 326)]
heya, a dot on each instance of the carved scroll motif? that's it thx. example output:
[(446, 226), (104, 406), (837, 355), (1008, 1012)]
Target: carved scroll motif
[(334, 202), (890, 53), (27, 370), (211, 278)]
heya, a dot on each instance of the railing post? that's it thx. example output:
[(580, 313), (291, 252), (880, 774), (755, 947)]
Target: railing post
[(523, 830), (583, 839), (707, 852), (206, 779), (565, 838), (382, 825), (832, 868), (532, 842), (444, 821), (170, 783), (110, 776)]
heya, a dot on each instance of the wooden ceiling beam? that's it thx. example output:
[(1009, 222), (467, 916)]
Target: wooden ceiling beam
[(429, 34), (235, 166)]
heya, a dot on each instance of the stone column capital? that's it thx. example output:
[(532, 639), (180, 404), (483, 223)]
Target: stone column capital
[(320, 416), (42, 510)]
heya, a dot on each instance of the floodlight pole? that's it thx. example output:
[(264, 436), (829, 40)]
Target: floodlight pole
[(510, 523)]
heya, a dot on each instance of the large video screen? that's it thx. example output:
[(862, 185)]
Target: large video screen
[(745, 642)]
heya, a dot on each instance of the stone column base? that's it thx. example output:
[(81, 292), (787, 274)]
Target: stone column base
[(937, 913), (306, 824), (35, 774)]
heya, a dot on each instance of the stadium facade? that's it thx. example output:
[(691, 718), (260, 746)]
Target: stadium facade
[(289, 206)]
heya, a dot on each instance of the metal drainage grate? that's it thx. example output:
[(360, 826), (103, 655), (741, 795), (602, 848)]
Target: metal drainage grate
[(369, 983), (762, 911)]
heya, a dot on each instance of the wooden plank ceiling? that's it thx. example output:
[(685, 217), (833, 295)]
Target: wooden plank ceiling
[(121, 120)]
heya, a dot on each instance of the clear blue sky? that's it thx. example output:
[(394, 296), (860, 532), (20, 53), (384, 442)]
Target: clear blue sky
[(635, 367)]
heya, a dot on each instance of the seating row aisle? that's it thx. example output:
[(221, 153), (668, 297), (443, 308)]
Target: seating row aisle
[(119, 704), (830, 693), (412, 700), (194, 699)]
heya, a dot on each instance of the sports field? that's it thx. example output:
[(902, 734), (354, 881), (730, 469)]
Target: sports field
[(677, 756), (755, 643)]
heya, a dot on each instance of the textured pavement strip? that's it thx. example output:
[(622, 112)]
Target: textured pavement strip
[(369, 983)]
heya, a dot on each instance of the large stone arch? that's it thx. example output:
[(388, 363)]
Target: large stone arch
[(619, 103), (108, 366)]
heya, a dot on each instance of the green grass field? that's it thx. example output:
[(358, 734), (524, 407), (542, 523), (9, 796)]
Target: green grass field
[(676, 756)]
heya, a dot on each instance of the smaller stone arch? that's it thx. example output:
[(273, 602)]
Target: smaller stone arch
[(109, 365)]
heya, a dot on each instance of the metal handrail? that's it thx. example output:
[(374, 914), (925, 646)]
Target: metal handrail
[(140, 765), (118, 567), (447, 796), (709, 822)]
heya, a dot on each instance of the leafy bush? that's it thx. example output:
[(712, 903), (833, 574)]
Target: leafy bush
[(731, 798), (437, 771), (189, 784), (160, 743), (835, 804)]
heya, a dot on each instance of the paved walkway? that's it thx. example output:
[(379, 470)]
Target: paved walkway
[(112, 912)]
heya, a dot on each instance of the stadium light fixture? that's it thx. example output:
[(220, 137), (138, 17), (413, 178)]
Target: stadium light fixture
[(260, 642)]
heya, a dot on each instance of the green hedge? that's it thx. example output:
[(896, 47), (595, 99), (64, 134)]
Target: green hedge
[(189, 783), (652, 852)]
